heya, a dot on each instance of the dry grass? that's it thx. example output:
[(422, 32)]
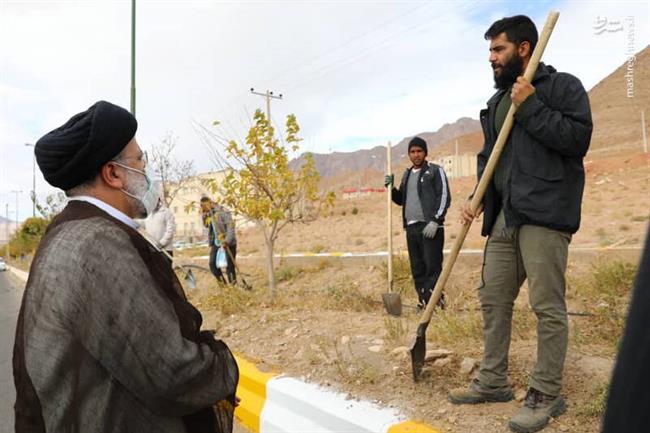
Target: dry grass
[(396, 328), (594, 407), (402, 279), (606, 290)]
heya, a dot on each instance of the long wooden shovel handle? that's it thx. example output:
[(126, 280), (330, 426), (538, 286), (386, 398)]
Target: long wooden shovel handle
[(489, 169), (389, 218)]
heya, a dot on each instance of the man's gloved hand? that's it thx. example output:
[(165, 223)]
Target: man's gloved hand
[(222, 238), (388, 180), (429, 231)]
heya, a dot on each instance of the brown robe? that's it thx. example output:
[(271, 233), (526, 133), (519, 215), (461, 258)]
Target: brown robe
[(107, 341)]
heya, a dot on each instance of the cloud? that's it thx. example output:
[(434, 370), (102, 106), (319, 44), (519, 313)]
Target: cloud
[(355, 73)]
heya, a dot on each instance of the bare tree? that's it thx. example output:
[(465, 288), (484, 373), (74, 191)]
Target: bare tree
[(173, 172)]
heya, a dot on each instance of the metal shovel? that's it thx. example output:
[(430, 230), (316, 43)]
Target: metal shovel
[(189, 276), (419, 347), (392, 300)]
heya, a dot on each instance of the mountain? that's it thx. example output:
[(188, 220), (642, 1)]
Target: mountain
[(336, 163), (616, 112)]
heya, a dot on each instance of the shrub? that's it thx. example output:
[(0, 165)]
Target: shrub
[(286, 273), (26, 239)]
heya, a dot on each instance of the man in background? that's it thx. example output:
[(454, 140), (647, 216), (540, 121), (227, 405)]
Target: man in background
[(221, 234), (424, 196), (161, 227)]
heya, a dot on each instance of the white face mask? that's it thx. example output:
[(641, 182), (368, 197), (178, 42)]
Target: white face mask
[(145, 191)]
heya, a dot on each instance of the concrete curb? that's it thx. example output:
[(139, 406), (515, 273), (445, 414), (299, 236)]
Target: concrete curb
[(274, 403), (20, 274)]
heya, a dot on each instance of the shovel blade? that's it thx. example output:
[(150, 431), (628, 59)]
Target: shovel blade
[(419, 350), (190, 280), (392, 303)]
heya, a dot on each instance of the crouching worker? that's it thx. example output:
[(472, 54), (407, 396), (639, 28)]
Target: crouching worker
[(106, 340)]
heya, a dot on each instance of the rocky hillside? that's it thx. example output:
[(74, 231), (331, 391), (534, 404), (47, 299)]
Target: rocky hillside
[(617, 112), (374, 159)]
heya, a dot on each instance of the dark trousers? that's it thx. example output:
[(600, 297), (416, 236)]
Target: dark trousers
[(425, 256), (230, 268)]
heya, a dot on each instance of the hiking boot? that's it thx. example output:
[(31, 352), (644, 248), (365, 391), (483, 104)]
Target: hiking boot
[(537, 411), (477, 393)]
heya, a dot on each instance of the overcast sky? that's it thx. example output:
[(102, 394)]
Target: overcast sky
[(356, 74)]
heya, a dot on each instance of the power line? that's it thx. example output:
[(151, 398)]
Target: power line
[(303, 64), (381, 25), (373, 49)]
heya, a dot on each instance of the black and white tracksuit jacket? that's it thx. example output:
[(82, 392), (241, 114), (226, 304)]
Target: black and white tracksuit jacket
[(433, 192)]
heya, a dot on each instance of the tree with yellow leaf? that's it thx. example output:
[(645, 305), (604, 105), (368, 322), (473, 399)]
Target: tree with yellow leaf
[(262, 187)]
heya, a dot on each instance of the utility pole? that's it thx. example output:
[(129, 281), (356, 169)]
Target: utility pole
[(456, 161), (7, 231), (33, 180), (17, 192), (133, 57), (643, 132), (268, 95)]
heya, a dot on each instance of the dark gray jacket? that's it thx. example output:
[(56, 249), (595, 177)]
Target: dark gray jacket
[(548, 141), (433, 191), (220, 217)]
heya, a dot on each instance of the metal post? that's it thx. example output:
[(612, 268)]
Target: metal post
[(268, 106), (7, 230), (456, 162), (643, 132), (133, 57), (17, 192), (33, 179)]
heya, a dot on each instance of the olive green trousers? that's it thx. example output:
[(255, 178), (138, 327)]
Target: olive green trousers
[(511, 256)]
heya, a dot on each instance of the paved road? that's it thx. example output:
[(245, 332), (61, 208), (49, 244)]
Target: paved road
[(11, 290)]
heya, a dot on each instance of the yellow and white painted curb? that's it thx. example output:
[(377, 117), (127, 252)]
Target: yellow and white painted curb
[(404, 253), (274, 403)]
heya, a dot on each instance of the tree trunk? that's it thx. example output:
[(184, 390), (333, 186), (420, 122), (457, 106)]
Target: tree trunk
[(270, 268)]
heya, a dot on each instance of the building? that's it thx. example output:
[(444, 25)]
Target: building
[(459, 165), (349, 193)]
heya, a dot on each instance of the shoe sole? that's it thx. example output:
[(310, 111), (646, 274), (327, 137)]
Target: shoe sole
[(503, 399), (537, 427)]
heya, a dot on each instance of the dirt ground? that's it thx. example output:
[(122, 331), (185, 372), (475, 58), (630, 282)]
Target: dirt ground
[(327, 325)]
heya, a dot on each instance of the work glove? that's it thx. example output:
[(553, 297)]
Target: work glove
[(388, 180), (429, 231)]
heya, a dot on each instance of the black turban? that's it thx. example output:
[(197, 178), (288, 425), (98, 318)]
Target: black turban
[(73, 153), (417, 141)]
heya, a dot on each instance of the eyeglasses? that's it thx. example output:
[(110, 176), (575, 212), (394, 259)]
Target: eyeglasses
[(143, 157)]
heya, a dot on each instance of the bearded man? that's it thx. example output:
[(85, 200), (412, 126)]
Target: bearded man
[(530, 211), (106, 340)]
